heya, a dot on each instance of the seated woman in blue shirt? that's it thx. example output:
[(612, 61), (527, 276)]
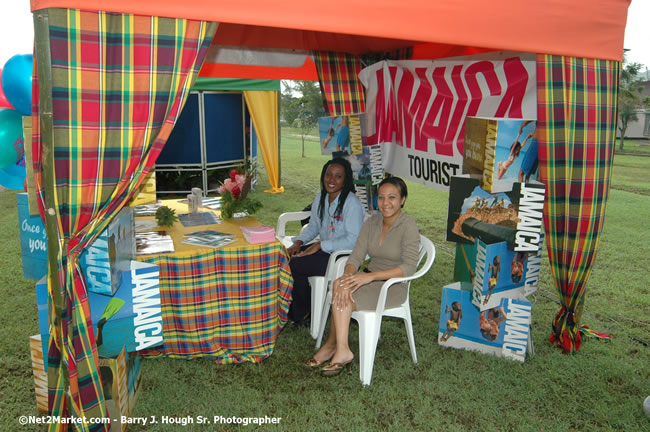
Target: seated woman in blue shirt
[(336, 216)]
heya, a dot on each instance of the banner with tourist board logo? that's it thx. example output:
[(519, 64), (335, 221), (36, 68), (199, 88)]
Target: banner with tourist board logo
[(416, 109)]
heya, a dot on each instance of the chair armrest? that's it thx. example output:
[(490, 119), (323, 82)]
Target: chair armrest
[(289, 217), (330, 273), (430, 250)]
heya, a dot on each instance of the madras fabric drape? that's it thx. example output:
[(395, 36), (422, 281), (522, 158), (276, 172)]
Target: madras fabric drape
[(119, 81), (577, 109), (229, 304), (338, 76)]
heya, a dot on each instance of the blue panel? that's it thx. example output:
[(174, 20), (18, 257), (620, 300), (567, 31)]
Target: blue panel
[(184, 143), (224, 127)]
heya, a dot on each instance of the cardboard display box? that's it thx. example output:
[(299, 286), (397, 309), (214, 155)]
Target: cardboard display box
[(110, 254), (38, 369), (514, 216), (146, 193), (33, 240), (494, 271), (501, 151), (102, 263), (131, 319), (503, 330), (121, 380)]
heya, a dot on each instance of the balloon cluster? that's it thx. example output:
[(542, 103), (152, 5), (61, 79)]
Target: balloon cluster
[(15, 101)]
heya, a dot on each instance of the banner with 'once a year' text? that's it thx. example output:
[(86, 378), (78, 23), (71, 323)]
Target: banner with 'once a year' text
[(416, 109)]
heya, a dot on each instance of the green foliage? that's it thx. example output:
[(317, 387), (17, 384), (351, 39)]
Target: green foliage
[(166, 216), (230, 205), (629, 97), (302, 111)]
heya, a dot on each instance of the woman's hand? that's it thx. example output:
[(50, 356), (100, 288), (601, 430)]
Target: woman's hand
[(294, 248), (346, 285), (356, 280), (342, 296), (315, 247)]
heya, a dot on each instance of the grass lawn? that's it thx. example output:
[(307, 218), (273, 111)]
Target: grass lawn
[(639, 146), (600, 388)]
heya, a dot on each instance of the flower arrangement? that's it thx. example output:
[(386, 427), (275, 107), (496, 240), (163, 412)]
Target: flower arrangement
[(234, 192)]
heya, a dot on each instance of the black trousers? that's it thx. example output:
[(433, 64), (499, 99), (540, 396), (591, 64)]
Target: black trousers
[(301, 268)]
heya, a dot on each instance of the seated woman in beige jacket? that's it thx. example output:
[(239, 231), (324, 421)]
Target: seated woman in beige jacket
[(392, 241)]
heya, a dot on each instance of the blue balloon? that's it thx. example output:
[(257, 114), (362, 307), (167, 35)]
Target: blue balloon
[(13, 177), (17, 82)]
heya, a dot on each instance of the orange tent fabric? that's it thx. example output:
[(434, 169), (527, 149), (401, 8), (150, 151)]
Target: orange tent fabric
[(580, 28)]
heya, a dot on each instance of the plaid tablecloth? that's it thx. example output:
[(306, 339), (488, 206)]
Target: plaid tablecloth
[(228, 303)]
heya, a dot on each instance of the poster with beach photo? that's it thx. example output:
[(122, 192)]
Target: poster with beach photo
[(341, 134)]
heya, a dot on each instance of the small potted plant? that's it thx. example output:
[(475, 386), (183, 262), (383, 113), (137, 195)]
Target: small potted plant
[(166, 216)]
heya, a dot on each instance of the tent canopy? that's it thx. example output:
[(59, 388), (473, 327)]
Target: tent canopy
[(581, 28)]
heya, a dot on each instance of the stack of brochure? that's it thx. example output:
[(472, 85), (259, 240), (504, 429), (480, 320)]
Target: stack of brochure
[(146, 209), (259, 234), (213, 203), (201, 218), (153, 242), (208, 238)]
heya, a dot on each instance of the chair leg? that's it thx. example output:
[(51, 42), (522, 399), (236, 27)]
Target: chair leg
[(409, 334), (367, 347), (323, 318), (317, 298)]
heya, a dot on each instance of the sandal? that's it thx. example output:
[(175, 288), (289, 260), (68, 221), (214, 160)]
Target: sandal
[(335, 369), (312, 363)]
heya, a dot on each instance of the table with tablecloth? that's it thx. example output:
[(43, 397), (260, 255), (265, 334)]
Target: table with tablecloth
[(228, 303)]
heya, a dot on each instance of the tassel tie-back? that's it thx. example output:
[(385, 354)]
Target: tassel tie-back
[(567, 335)]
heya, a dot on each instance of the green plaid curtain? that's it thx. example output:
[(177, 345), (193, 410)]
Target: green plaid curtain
[(338, 76), (577, 109), (119, 82)]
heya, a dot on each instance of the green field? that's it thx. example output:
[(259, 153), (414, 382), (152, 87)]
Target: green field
[(602, 387)]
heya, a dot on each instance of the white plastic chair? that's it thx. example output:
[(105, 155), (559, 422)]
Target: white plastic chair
[(281, 228), (318, 284), (370, 321), (319, 288)]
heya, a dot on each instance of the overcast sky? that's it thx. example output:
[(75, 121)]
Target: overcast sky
[(16, 30)]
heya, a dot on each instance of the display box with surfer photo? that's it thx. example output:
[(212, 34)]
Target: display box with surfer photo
[(495, 272), (501, 151), (503, 330)]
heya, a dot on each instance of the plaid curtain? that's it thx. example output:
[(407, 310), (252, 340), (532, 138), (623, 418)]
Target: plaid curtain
[(338, 76), (577, 109), (119, 82)]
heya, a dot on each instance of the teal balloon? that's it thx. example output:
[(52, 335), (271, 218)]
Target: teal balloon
[(17, 82), (13, 177), (11, 137)]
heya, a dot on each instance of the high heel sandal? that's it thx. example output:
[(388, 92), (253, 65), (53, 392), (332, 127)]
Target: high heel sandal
[(335, 369), (312, 363)]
